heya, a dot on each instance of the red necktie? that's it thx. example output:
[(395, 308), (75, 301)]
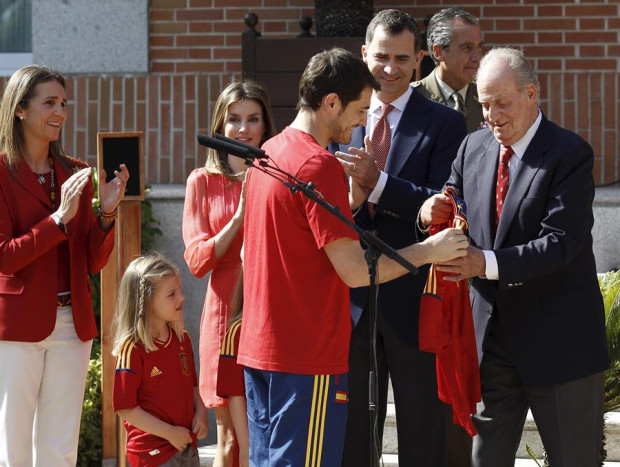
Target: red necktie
[(503, 177), (381, 141), (382, 137)]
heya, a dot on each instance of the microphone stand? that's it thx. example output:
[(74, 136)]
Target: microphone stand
[(375, 247)]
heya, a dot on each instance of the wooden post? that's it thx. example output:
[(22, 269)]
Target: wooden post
[(126, 249), (123, 148)]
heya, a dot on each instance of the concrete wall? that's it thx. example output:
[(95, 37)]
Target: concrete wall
[(85, 36), (606, 231), (167, 203)]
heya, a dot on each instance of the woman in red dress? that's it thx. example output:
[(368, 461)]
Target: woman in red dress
[(213, 235)]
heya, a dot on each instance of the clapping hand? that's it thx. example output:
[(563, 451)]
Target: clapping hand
[(70, 194), (360, 165), (111, 193)]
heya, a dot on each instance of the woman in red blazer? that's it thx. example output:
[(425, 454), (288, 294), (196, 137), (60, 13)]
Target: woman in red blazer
[(49, 241)]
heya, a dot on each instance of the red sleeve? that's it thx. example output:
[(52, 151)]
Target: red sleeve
[(328, 176), (127, 376), (197, 235), (19, 249)]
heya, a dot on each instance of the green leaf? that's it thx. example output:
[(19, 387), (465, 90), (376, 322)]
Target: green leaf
[(532, 454)]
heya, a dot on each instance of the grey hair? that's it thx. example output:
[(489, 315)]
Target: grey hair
[(440, 29), (515, 60)]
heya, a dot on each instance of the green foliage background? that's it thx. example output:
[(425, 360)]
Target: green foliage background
[(610, 288)]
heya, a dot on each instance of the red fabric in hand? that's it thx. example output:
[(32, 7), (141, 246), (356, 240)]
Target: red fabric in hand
[(447, 329)]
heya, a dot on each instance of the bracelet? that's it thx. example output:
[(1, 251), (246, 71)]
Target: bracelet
[(107, 215)]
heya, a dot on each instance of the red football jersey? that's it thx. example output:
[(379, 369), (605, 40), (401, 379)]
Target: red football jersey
[(161, 383), (296, 316)]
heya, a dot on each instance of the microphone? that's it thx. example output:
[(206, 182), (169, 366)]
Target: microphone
[(257, 152), (234, 149)]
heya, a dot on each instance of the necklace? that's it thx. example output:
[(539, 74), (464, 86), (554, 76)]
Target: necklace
[(41, 180)]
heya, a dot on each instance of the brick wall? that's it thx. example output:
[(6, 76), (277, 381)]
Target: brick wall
[(195, 51)]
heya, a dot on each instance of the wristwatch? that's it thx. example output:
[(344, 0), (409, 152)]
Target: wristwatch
[(58, 221)]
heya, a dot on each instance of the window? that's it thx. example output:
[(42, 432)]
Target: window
[(15, 35)]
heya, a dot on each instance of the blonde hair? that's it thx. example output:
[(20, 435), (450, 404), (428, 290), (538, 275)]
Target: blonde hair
[(217, 161), (134, 302), (19, 91)]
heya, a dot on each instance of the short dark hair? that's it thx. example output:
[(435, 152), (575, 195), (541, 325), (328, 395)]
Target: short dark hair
[(335, 70), (394, 22)]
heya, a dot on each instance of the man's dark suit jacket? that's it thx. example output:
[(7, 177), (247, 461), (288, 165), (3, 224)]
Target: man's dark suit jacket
[(429, 88), (547, 297), (423, 147)]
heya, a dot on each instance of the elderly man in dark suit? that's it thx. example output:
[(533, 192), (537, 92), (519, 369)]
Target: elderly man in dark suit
[(537, 306), (414, 141), (455, 44)]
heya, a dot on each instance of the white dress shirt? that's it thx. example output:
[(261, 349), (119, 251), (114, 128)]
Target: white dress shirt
[(491, 269), (393, 118)]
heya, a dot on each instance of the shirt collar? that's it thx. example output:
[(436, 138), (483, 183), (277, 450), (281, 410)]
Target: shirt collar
[(447, 91), (399, 103), (520, 146)]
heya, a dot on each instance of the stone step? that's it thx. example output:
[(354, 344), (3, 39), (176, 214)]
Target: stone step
[(531, 437), (207, 454)]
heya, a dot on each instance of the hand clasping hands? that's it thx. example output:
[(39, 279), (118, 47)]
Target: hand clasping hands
[(446, 245)]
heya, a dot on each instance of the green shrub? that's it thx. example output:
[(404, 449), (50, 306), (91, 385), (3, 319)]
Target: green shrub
[(610, 288), (90, 444)]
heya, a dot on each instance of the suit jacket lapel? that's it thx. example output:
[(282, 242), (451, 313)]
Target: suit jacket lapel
[(529, 166), (61, 174), (28, 181), (407, 135), (487, 175)]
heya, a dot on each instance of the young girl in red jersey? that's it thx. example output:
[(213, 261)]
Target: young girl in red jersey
[(155, 385), (230, 381)]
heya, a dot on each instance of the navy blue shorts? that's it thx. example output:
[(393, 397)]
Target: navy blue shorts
[(295, 420)]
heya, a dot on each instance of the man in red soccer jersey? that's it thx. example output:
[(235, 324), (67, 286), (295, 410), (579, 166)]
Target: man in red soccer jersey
[(299, 261)]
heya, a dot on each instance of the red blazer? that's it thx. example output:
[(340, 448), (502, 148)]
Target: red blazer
[(28, 263)]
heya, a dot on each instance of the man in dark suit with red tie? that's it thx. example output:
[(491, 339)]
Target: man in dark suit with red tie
[(537, 306), (414, 141)]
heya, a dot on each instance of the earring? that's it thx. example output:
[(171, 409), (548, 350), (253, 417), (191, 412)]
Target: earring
[(21, 117)]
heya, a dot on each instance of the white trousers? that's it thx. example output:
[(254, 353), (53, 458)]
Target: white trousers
[(41, 394)]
